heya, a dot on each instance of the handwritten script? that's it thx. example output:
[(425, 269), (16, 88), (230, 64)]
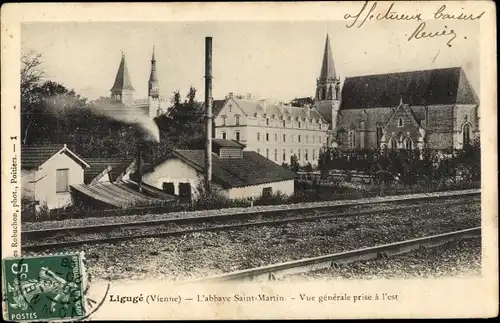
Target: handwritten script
[(369, 13)]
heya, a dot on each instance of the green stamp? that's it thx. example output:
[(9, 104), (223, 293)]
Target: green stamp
[(44, 288)]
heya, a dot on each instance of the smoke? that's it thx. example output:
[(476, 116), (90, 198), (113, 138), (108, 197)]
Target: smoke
[(115, 111)]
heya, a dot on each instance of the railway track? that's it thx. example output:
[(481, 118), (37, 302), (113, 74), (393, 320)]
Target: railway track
[(275, 271), (170, 227)]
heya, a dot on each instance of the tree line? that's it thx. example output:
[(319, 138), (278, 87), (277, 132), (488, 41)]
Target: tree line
[(91, 135)]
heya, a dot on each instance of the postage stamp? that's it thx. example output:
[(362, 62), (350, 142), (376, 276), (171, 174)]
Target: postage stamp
[(44, 288)]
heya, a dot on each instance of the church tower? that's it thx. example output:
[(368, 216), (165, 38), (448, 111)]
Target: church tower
[(153, 85), (327, 98), (122, 89)]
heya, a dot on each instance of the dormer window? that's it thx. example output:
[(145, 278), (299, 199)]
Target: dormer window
[(284, 123), (400, 122), (299, 124), (267, 122), (223, 120), (230, 108), (237, 120)]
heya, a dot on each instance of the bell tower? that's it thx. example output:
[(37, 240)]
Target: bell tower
[(153, 85), (122, 89), (327, 98)]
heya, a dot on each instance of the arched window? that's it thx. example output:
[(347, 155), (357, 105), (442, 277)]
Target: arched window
[(393, 144), (466, 134), (408, 143), (400, 122)]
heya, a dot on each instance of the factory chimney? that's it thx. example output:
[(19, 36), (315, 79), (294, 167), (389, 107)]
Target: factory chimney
[(208, 107)]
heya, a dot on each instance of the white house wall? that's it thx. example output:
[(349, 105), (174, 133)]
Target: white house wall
[(172, 171), (44, 187)]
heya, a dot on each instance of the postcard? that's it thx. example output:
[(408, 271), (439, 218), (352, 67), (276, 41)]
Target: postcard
[(273, 160)]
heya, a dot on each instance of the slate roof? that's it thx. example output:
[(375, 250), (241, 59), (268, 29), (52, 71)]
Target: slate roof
[(97, 165), (252, 169), (253, 107), (226, 143), (327, 67), (122, 80), (443, 86), (34, 156)]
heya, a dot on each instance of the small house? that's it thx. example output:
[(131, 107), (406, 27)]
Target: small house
[(235, 173), (47, 172)]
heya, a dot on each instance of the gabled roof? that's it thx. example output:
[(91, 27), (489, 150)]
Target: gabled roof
[(443, 86), (35, 156), (327, 67), (122, 79), (407, 111), (101, 166), (252, 169)]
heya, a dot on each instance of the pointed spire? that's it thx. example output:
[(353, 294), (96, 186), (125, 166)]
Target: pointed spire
[(122, 79), (328, 67), (152, 75)]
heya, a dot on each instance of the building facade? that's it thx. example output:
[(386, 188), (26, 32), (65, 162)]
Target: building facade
[(276, 131), (236, 173), (123, 91), (435, 109)]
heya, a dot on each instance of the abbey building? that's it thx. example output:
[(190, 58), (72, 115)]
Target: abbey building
[(154, 105), (435, 108)]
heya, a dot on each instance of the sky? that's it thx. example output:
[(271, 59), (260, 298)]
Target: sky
[(275, 60)]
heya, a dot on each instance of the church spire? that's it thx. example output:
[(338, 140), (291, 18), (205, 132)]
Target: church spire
[(153, 86), (122, 89), (327, 67)]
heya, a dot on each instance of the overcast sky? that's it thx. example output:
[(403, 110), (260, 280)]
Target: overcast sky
[(279, 60)]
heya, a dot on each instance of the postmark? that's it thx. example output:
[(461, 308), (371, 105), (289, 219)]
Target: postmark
[(42, 288)]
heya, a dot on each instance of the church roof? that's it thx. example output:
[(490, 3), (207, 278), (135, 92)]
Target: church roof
[(327, 67), (427, 87), (122, 80)]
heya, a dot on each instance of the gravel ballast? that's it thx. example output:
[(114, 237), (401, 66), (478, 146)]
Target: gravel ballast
[(209, 253), (461, 257)]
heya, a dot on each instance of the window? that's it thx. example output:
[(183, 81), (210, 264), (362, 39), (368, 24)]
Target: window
[(258, 151), (298, 156), (237, 135), (307, 139), (379, 136), (314, 139), (299, 138), (223, 135), (169, 188), (319, 138), (284, 123), (393, 143), (307, 154), (284, 155), (237, 120), (230, 107), (267, 191), (352, 139), (400, 122), (258, 136), (284, 138), (408, 143), (276, 137), (223, 120), (267, 153), (299, 124), (267, 121), (314, 154), (62, 180), (267, 137), (466, 134), (276, 155)]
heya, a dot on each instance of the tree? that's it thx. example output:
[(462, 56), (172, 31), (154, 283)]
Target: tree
[(294, 163), (31, 75)]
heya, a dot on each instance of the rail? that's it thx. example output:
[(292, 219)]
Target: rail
[(272, 272)]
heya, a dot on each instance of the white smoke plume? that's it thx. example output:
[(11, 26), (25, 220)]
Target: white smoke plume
[(114, 111)]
